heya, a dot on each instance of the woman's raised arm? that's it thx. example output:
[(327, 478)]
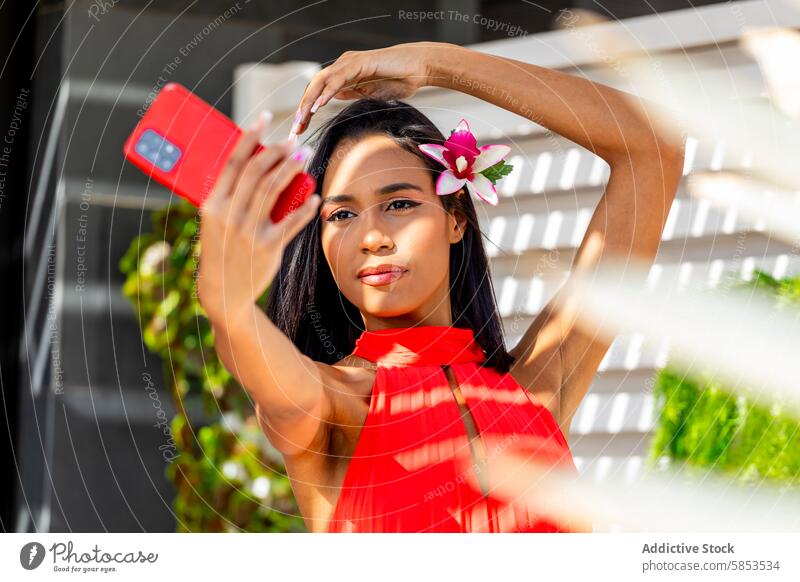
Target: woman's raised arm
[(555, 358), (292, 405), (240, 253)]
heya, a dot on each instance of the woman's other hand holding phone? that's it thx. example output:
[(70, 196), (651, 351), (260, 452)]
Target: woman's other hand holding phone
[(240, 253), (240, 247)]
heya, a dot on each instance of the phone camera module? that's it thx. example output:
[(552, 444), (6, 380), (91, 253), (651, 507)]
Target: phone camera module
[(157, 150)]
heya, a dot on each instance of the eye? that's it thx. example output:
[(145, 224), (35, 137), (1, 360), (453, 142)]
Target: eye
[(334, 215), (410, 203), (404, 205)]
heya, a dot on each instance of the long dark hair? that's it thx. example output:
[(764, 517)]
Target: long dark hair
[(304, 301)]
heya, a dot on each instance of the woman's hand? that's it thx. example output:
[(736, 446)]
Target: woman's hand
[(395, 72), (240, 246)]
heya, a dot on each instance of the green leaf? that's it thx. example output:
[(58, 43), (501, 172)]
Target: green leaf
[(500, 169)]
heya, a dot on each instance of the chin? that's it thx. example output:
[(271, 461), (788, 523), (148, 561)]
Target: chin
[(386, 309)]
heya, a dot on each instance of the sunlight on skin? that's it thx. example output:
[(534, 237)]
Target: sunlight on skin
[(600, 36), (779, 209), (548, 333), (657, 501), (368, 231), (587, 260)]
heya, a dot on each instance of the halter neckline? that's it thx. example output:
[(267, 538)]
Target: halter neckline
[(425, 345)]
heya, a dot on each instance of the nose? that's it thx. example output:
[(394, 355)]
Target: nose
[(375, 240), (375, 237)]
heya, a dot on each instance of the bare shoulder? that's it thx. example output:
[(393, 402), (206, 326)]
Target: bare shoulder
[(347, 389), (348, 386), (348, 374), (339, 384), (316, 474)]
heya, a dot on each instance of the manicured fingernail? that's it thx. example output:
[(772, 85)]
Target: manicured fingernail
[(302, 153), (296, 122), (258, 123), (292, 137), (316, 105)]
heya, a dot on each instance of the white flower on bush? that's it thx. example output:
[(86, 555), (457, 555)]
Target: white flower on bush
[(233, 470), (260, 487)]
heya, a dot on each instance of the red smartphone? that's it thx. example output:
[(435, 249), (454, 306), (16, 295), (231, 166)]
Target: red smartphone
[(183, 143)]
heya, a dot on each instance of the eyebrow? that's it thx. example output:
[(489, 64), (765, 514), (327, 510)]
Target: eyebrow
[(383, 191)]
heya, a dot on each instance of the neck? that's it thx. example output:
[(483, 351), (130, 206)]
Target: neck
[(419, 346), (434, 310), (376, 323)]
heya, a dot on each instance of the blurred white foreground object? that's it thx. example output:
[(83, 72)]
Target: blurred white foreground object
[(777, 209), (743, 338)]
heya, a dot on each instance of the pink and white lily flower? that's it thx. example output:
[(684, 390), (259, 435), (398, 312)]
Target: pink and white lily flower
[(465, 161)]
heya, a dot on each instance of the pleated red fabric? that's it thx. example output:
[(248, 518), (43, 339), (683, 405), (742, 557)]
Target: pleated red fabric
[(407, 471)]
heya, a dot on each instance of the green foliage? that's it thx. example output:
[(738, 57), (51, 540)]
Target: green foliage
[(497, 171), (702, 425), (226, 475)]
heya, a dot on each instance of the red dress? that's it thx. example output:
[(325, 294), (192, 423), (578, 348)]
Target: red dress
[(407, 471)]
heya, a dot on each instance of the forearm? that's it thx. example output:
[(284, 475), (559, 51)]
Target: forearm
[(281, 379), (608, 122)]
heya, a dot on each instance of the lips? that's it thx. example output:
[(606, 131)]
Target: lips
[(381, 274)]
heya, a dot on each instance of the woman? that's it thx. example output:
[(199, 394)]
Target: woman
[(389, 393)]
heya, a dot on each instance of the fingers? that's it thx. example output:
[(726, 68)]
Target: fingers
[(309, 104), (289, 227), (239, 157), (256, 168), (273, 184), (304, 112), (325, 84)]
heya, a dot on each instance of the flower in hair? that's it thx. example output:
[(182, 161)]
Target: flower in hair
[(465, 163)]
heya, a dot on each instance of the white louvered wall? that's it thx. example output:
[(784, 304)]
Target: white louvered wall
[(547, 201)]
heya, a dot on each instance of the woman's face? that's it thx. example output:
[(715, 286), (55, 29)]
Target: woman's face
[(379, 207)]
